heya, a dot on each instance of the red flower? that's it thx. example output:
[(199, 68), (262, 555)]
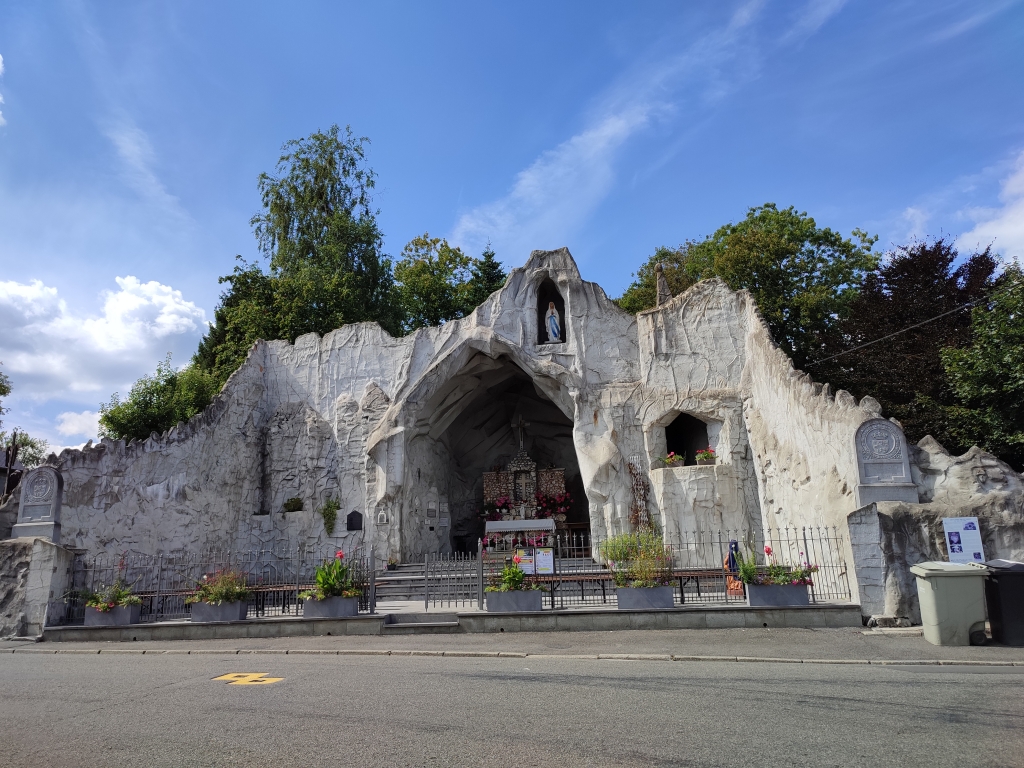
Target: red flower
[(517, 559), (340, 555), (767, 549)]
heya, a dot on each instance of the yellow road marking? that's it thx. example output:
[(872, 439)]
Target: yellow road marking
[(248, 678)]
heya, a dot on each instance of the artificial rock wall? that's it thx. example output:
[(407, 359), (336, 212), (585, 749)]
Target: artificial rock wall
[(400, 430)]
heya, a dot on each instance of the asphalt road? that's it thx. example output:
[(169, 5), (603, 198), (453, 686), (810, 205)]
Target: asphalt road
[(168, 710)]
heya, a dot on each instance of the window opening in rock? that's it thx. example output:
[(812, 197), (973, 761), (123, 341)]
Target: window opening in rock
[(548, 298), (354, 522), (685, 436)]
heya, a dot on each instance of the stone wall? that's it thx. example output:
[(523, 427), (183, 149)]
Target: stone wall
[(32, 573)]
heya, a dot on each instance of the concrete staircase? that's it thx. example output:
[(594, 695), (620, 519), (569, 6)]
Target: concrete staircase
[(404, 583)]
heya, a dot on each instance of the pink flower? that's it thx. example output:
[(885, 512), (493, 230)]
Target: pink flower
[(517, 559), (767, 549), (340, 555)]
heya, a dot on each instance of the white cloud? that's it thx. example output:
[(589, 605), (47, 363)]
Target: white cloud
[(552, 198), (137, 161), (84, 424), (51, 352), (1002, 227), (916, 219)]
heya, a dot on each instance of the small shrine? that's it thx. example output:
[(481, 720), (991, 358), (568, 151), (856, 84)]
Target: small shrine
[(522, 491)]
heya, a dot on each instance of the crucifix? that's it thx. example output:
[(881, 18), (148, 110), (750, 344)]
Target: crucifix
[(521, 426)]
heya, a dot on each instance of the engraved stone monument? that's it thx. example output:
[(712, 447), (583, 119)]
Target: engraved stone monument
[(883, 464), (39, 510)]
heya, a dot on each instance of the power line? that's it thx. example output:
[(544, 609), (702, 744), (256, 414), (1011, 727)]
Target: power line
[(911, 327)]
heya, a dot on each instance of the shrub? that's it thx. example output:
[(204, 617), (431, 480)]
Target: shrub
[(117, 595), (329, 512), (293, 504), (225, 586), (638, 559), (333, 579)]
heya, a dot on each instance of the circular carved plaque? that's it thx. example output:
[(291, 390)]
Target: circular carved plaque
[(880, 442), (41, 487)]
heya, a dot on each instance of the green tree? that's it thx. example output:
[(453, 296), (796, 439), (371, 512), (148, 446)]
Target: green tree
[(320, 236), (31, 450), (158, 402), (643, 292), (433, 280), (487, 276), (925, 281), (802, 277), (5, 390), (987, 376)]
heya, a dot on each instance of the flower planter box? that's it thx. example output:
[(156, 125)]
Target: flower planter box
[(514, 602), (392, 566), (204, 612), (330, 608), (705, 462), (115, 617), (776, 595), (644, 598)]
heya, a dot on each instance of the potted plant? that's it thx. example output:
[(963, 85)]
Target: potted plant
[(775, 585), (221, 596), (392, 563), (642, 570), (511, 593), (334, 595), (672, 459), (706, 456), (113, 606)]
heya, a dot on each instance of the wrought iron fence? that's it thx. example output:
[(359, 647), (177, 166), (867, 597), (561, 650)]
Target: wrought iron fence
[(697, 567), (275, 579)]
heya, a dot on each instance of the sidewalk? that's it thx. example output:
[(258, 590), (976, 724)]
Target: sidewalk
[(811, 645)]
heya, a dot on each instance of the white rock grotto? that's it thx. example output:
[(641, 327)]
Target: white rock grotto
[(400, 430)]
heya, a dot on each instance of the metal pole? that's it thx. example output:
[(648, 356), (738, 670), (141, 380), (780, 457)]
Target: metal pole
[(159, 585), (426, 581), (298, 571), (480, 574)]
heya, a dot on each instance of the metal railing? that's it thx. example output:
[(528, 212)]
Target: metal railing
[(697, 567), (275, 579)]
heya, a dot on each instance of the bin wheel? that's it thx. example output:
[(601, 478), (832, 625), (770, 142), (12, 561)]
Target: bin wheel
[(978, 637)]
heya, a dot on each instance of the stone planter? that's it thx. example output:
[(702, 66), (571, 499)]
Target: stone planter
[(776, 595), (705, 462), (203, 612), (644, 598), (514, 602), (331, 608), (115, 617)]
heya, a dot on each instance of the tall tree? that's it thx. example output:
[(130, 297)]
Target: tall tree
[(987, 376), (487, 276), (158, 402), (802, 277), (433, 280), (5, 390), (320, 236), (905, 373)]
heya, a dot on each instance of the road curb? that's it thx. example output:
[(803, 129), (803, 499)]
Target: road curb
[(512, 654)]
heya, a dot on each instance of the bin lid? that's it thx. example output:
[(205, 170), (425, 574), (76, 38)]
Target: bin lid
[(1005, 565), (935, 568)]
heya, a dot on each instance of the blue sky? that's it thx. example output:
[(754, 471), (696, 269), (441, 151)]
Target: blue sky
[(132, 133)]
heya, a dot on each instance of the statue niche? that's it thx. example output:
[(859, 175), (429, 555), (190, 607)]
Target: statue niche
[(550, 314)]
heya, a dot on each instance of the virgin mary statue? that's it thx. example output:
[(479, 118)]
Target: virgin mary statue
[(553, 324)]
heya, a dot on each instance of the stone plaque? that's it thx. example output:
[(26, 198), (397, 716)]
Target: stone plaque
[(883, 464), (39, 510)]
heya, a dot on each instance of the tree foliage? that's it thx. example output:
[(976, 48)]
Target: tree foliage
[(437, 282), (802, 277), (31, 450), (987, 376), (158, 402), (433, 282), (320, 236), (905, 373), (5, 390), (487, 277)]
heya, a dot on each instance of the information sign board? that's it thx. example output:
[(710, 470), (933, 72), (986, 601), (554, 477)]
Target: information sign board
[(963, 540), (545, 560), (526, 564)]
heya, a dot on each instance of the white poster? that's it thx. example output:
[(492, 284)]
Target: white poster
[(545, 560), (963, 540), (525, 560)]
